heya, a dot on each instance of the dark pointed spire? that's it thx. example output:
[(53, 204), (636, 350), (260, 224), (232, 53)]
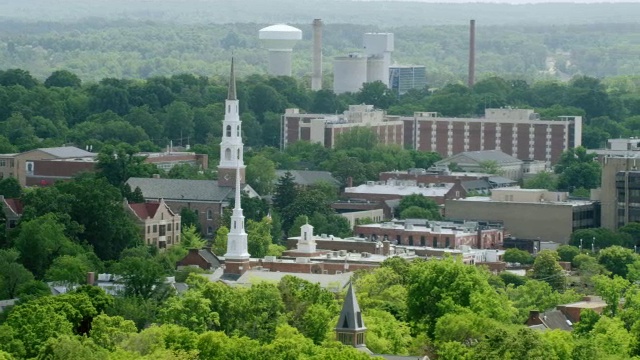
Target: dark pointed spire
[(350, 316), (232, 84)]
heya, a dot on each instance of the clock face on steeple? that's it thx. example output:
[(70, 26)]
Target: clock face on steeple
[(227, 176)]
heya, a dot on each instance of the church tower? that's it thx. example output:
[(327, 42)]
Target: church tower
[(350, 329), (231, 147), (236, 260)]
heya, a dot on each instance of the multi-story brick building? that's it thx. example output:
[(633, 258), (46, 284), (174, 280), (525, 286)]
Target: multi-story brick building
[(517, 132), (206, 198), (325, 129), (160, 226)]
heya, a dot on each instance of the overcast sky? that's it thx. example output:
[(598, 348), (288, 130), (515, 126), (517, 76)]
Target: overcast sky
[(519, 1)]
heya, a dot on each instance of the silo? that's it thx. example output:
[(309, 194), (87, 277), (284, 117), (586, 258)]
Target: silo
[(378, 47), (377, 67), (349, 73), (279, 40), (316, 77)]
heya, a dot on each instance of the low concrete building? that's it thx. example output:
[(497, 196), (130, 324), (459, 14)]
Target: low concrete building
[(435, 234), (375, 215), (25, 165), (506, 165), (168, 159), (160, 226), (529, 213)]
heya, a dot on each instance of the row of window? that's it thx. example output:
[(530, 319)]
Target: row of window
[(3, 163), (161, 229)]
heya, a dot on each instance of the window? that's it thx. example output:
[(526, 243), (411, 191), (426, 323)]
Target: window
[(148, 229), (177, 226), (155, 228), (169, 227), (163, 230), (177, 239), (435, 242), (238, 133), (238, 154), (447, 242), (227, 154), (410, 240), (209, 214), (423, 241), (228, 130), (210, 230), (3, 162)]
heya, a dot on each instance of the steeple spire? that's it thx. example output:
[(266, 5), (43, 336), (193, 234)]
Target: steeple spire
[(232, 84), (350, 329)]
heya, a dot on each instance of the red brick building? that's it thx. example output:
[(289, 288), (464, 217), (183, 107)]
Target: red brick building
[(517, 132)]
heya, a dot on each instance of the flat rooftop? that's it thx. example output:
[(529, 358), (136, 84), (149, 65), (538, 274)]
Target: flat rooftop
[(488, 199)]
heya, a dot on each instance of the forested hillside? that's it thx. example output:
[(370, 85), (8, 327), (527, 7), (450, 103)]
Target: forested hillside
[(97, 49)]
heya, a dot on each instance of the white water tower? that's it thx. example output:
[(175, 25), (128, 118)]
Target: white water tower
[(279, 40)]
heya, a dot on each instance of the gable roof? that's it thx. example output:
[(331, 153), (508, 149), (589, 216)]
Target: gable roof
[(309, 177), (350, 316), (180, 189), (481, 156), (65, 152), (209, 257), (15, 205), (555, 319), (144, 210)]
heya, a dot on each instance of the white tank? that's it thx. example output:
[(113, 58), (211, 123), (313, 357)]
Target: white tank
[(377, 70), (279, 40), (349, 73)]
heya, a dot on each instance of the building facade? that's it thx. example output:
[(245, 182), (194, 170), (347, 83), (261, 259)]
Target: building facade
[(405, 78), (619, 191), (516, 132), (160, 226), (434, 234), (529, 213)]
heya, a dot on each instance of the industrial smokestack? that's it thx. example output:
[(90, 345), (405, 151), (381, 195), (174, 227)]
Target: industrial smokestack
[(316, 77), (472, 53)]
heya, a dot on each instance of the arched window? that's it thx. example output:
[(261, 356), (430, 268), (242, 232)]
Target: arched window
[(228, 130), (238, 154), (209, 214), (238, 132), (227, 154)]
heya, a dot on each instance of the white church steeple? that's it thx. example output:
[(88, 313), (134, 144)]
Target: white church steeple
[(231, 146), (237, 248)]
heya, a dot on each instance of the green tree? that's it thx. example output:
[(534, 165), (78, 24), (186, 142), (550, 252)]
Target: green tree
[(261, 174), (69, 270), (611, 290), (377, 94), (189, 218), (190, 238), (220, 242), (541, 180), (12, 274), (490, 167), (190, 310), (258, 237), (577, 169), (546, 268), (419, 201), (285, 192), (416, 212), (40, 241), (357, 138), (10, 188), (63, 78), (616, 259), (141, 276), (178, 122), (518, 256), (567, 252), (386, 334)]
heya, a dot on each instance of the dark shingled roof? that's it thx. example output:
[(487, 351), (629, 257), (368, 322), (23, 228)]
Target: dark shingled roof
[(179, 189), (350, 316), (309, 177)]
